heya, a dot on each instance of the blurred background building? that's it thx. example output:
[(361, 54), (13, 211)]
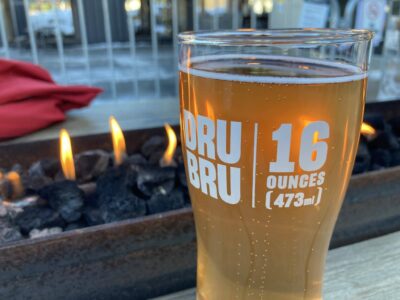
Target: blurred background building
[(129, 47)]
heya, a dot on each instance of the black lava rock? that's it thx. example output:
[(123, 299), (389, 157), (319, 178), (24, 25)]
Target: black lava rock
[(380, 157), (395, 158), (155, 157), (8, 232), (186, 196), (385, 140), (136, 159), (376, 167), (40, 174), (93, 216), (182, 175), (48, 167), (66, 198), (116, 197), (363, 159), (123, 207), (160, 203), (154, 144), (395, 124), (136, 162), (91, 164), (114, 181), (77, 225), (178, 155), (363, 139), (154, 180), (35, 182), (38, 217)]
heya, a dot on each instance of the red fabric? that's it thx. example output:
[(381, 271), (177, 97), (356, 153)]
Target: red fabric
[(31, 100)]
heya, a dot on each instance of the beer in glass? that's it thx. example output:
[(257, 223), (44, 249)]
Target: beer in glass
[(270, 123)]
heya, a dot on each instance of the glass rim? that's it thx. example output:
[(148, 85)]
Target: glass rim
[(292, 36)]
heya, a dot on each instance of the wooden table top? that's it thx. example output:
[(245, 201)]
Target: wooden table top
[(369, 270)]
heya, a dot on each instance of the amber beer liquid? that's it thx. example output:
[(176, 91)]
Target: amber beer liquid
[(269, 144)]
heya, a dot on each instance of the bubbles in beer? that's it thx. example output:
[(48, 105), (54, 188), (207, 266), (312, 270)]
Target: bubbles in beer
[(255, 253)]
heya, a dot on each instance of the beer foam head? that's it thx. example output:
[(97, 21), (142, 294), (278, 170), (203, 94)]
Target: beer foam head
[(350, 72)]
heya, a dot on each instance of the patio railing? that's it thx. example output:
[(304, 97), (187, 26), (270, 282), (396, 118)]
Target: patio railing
[(128, 47)]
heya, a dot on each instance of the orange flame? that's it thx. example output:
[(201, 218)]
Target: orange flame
[(168, 157), (367, 129), (118, 141), (15, 180), (66, 155)]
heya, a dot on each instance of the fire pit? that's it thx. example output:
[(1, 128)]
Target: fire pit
[(97, 187), (142, 243), (379, 146)]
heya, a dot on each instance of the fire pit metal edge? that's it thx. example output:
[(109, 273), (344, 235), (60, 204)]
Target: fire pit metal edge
[(132, 259)]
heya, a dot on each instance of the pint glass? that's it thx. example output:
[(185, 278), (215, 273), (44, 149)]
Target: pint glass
[(270, 123)]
